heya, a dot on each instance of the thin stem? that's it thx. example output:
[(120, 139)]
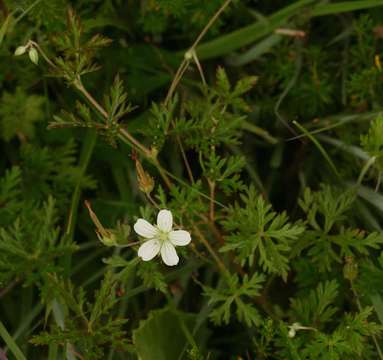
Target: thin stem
[(9, 287), (189, 54), (219, 262), (185, 159), (78, 84), (365, 168), (153, 201), (212, 197), (213, 228), (45, 57), (199, 67), (259, 132), (128, 245), (27, 10), (124, 134), (184, 183), (162, 172), (136, 143), (86, 154), (177, 77), (210, 23), (378, 182), (80, 87)]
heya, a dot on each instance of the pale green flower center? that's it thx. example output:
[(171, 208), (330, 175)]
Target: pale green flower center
[(163, 235)]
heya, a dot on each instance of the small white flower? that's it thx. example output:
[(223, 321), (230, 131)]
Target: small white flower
[(161, 238)]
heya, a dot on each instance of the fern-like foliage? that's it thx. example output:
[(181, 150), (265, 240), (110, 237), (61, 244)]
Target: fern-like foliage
[(316, 308), (10, 194), (329, 240), (236, 295), (258, 234), (210, 120), (46, 172), (347, 340), (76, 52), (89, 327), (107, 125), (372, 142), (19, 113), (31, 246)]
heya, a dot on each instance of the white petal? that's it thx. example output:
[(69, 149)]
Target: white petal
[(179, 237), (169, 254), (145, 229), (149, 249), (165, 220)]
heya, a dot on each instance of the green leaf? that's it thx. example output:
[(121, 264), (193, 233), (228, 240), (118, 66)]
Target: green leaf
[(316, 307), (164, 335), (257, 232), (18, 114), (236, 295)]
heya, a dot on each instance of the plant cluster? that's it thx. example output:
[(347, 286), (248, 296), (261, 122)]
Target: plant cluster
[(191, 180)]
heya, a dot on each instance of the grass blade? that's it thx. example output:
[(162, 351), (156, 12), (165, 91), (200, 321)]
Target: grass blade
[(254, 32), (345, 6), (248, 34), (319, 146), (255, 52), (11, 343)]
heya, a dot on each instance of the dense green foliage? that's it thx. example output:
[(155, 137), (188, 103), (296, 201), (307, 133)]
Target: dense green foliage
[(257, 123)]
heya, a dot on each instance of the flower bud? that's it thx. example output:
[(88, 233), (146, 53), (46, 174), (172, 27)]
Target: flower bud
[(145, 181), (189, 55), (106, 236), (20, 50), (350, 269), (33, 55), (292, 333)]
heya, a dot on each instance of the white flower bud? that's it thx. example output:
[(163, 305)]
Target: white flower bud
[(292, 333), (189, 55), (20, 50), (33, 55)]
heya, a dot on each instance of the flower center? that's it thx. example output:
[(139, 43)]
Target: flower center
[(163, 235)]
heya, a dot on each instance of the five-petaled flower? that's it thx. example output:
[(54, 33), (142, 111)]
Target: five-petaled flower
[(161, 238)]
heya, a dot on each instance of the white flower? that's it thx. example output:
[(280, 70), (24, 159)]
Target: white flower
[(161, 238)]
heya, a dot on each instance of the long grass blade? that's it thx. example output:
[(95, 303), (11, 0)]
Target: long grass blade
[(10, 342), (345, 6), (319, 146), (251, 33)]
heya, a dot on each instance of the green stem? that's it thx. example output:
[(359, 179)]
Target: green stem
[(366, 167), (219, 262), (27, 10), (86, 153), (124, 134), (319, 146), (189, 54), (260, 132), (11, 343)]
